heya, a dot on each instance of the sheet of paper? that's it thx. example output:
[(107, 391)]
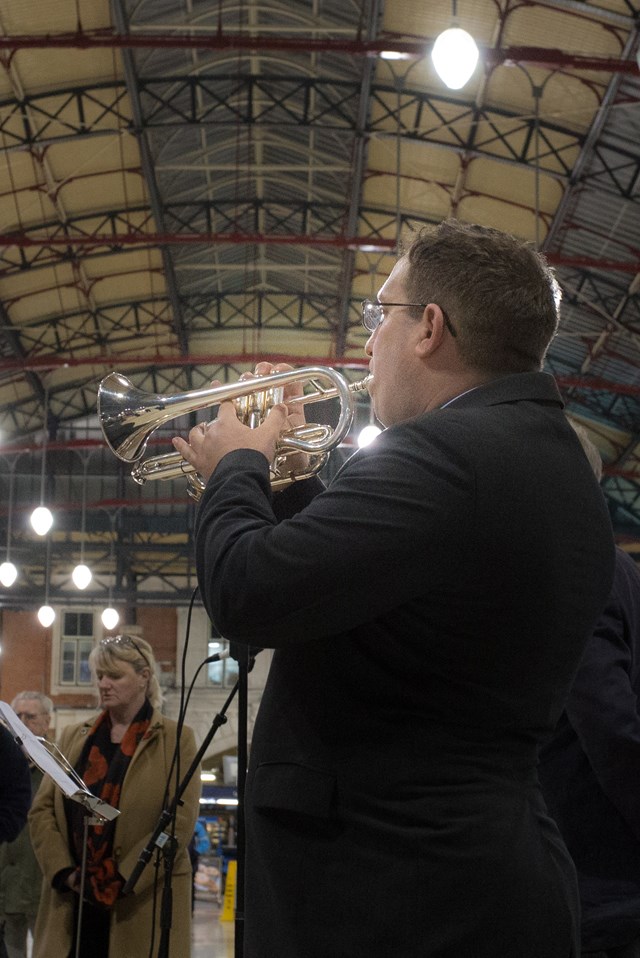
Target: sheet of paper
[(51, 766)]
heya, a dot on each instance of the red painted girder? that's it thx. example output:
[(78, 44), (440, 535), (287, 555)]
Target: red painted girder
[(541, 56), (364, 243), (238, 359), (34, 363), (597, 385)]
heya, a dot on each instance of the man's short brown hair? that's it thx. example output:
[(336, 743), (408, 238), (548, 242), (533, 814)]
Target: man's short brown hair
[(499, 293)]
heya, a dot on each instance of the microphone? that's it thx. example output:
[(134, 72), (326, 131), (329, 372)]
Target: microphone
[(226, 653), (218, 657)]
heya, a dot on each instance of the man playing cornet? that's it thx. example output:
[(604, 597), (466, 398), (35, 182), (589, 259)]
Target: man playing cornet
[(428, 611)]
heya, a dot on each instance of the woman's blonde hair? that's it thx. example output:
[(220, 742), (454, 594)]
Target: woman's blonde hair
[(105, 656)]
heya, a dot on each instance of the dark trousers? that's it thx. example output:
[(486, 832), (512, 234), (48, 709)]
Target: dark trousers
[(632, 950), (94, 933)]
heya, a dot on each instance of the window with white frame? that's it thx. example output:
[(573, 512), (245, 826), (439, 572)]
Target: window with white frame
[(76, 642)]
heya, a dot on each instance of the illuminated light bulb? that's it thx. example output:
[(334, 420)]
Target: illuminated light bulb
[(8, 574), (41, 520), (367, 435), (81, 576), (455, 55), (394, 55), (46, 615), (110, 618)]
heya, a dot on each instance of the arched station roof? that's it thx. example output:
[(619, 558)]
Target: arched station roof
[(187, 186)]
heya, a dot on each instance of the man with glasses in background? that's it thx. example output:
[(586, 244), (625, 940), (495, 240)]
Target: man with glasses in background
[(428, 611), (20, 875)]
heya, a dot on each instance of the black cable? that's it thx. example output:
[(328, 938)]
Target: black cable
[(175, 764)]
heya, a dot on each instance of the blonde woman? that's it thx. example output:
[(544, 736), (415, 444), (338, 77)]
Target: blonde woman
[(124, 756)]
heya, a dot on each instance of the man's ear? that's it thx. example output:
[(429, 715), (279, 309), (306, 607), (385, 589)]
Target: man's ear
[(431, 330)]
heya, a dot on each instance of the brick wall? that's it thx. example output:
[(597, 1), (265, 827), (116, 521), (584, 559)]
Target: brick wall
[(158, 625), (25, 661)]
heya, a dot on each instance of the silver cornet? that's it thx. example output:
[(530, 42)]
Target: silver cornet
[(128, 416)]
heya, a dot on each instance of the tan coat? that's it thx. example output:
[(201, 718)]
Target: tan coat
[(140, 808)]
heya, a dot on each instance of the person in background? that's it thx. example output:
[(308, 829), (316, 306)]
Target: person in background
[(15, 787), (125, 756), (428, 612), (20, 876), (15, 795), (199, 845), (590, 768)]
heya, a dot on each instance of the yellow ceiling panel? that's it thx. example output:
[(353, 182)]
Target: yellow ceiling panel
[(20, 285), (53, 16), (118, 190), (130, 284), (91, 155), (63, 69), (133, 260), (487, 179), (566, 101), (528, 24), (428, 20), (503, 216)]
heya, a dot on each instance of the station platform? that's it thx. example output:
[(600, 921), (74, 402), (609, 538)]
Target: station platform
[(210, 937)]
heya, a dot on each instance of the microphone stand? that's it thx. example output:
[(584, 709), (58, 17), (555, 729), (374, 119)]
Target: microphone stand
[(245, 657), (83, 875), (160, 839)]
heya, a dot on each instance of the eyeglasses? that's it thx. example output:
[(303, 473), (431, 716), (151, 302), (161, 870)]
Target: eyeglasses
[(127, 641), (373, 314)]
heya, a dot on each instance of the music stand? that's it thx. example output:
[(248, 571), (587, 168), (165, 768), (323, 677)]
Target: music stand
[(55, 765)]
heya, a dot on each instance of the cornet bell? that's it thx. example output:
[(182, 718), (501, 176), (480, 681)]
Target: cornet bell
[(125, 413)]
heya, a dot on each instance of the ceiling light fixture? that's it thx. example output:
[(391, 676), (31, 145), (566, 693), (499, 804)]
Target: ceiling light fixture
[(8, 574), (41, 517), (46, 614), (455, 54), (394, 55), (110, 616), (8, 571), (368, 434), (455, 57), (82, 574)]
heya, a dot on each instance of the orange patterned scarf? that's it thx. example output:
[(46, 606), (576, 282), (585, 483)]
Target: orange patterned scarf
[(103, 766)]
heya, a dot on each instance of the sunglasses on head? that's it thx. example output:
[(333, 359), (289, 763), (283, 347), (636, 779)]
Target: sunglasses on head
[(127, 642)]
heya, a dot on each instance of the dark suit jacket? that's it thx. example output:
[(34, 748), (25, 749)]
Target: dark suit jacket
[(428, 610), (590, 770)]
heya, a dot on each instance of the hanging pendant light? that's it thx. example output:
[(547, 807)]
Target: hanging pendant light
[(82, 574), (8, 574), (46, 614), (368, 434), (41, 517), (41, 520), (110, 616), (8, 571), (455, 57)]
